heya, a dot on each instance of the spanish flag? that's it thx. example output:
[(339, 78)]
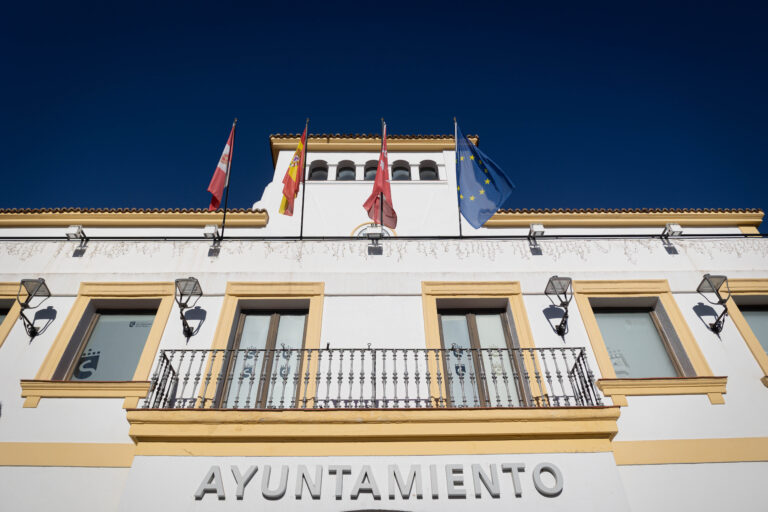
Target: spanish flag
[(294, 176)]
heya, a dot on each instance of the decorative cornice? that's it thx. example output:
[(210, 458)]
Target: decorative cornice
[(641, 217), (129, 217), (363, 142)]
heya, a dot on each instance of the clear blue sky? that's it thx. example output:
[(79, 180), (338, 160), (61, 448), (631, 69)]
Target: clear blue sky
[(585, 105)]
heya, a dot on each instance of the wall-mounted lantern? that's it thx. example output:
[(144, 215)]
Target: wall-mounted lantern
[(560, 292), (710, 286), (35, 288), (187, 290)]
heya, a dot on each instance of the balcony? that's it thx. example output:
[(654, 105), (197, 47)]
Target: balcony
[(367, 378)]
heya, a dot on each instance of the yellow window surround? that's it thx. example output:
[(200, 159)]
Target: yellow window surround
[(619, 389), (748, 287), (510, 292), (44, 387), (8, 291), (277, 291)]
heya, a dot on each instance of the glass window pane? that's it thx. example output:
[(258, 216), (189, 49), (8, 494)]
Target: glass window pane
[(287, 363), (3, 314), (460, 368), (345, 174), (758, 322), (427, 174), (497, 360), (248, 361), (634, 344), (319, 174), (401, 173), (114, 347), (370, 173)]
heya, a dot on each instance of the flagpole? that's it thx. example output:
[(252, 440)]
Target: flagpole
[(229, 168), (381, 194), (304, 177), (456, 156)]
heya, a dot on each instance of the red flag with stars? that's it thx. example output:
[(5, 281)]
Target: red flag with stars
[(381, 190)]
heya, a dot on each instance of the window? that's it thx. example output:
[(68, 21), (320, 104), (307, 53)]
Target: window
[(757, 318), (428, 171), (637, 344), (370, 170), (482, 330), (477, 351), (401, 171), (262, 326), (112, 348), (748, 307), (107, 345), (641, 342), (318, 170), (345, 171), (262, 370), (4, 310)]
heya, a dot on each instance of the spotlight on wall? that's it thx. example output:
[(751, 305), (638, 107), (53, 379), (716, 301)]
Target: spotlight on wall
[(710, 288), (536, 230), (187, 290), (211, 231), (34, 288), (75, 233), (671, 229), (560, 292)]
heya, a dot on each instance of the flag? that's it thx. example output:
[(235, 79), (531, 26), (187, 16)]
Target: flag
[(293, 176), (482, 186), (381, 188), (221, 174)]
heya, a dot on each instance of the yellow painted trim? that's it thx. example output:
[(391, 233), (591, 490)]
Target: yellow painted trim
[(749, 287), (584, 290), (691, 451), (714, 387), (363, 432), (34, 390), (82, 455), (511, 291), (237, 291), (749, 230), (189, 219), (624, 219), (9, 291), (88, 292)]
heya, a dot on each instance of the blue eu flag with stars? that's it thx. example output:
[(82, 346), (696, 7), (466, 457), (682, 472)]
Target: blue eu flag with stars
[(482, 185)]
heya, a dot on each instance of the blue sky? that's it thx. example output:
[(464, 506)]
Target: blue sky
[(585, 105)]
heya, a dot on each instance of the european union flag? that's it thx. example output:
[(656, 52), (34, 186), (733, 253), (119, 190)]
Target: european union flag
[(483, 186)]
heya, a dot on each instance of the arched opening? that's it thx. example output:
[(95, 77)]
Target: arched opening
[(428, 171), (318, 170)]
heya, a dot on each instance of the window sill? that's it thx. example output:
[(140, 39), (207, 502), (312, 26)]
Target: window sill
[(131, 391), (619, 389)]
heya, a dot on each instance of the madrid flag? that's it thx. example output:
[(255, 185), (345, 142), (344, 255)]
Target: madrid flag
[(381, 189), (293, 176), (221, 174)]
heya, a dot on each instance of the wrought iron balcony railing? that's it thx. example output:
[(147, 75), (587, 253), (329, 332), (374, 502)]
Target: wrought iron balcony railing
[(372, 378)]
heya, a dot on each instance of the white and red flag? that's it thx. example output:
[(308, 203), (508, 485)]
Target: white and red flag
[(221, 174), (381, 190)]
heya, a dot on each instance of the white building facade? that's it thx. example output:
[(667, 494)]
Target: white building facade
[(323, 368)]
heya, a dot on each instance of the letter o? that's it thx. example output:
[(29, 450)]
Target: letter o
[(549, 492)]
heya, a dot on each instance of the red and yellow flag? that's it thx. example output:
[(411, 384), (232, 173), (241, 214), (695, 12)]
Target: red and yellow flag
[(294, 176)]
